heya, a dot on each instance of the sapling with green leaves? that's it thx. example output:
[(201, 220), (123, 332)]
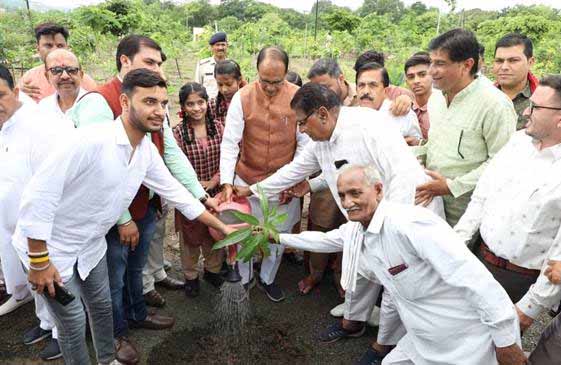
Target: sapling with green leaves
[(256, 235)]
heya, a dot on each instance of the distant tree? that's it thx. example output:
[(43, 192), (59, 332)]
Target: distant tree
[(200, 13), (418, 8), (393, 8), (341, 20)]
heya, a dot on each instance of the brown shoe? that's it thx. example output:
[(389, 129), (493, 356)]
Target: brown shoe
[(171, 283), (154, 299), (154, 321), (125, 352)]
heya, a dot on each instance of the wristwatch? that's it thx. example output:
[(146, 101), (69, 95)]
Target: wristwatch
[(204, 198)]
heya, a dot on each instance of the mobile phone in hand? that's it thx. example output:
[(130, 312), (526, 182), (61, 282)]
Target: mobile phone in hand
[(62, 295)]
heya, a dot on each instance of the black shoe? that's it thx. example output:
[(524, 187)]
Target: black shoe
[(370, 357), (51, 351), (192, 288), (274, 293), (336, 332), (214, 279), (34, 335)]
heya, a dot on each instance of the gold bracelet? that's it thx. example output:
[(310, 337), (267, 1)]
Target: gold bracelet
[(38, 260), (38, 254)]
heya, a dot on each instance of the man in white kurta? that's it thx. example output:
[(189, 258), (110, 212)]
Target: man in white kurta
[(25, 143), (453, 309), (356, 135), (261, 122), (78, 194)]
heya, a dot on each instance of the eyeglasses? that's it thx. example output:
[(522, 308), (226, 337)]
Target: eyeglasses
[(301, 122), (58, 70), (534, 106)]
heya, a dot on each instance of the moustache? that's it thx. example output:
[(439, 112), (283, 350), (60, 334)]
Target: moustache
[(366, 97)]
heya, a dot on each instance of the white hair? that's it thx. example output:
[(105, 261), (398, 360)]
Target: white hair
[(371, 174)]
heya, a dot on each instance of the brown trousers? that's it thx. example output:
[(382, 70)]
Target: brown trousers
[(190, 256), (515, 284)]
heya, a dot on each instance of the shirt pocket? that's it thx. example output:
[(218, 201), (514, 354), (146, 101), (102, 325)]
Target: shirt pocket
[(471, 145), (409, 283)]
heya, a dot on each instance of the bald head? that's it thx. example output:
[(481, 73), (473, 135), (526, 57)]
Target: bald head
[(360, 191), (60, 56)]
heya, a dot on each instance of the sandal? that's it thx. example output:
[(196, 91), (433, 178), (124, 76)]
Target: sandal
[(309, 282)]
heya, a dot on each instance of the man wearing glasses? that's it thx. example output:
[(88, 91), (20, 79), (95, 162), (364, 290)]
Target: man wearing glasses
[(65, 74), (471, 121), (515, 207), (34, 82), (260, 137)]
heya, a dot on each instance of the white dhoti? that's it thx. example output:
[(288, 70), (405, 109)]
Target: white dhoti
[(269, 265), (14, 276)]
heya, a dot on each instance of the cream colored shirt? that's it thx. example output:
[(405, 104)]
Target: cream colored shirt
[(517, 209), (464, 136)]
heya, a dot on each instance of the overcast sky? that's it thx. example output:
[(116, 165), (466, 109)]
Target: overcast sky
[(306, 5)]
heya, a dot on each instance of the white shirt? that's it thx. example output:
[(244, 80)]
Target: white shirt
[(50, 104), (233, 133), (516, 207), (407, 124), (25, 140), (81, 190), (452, 308), (359, 139)]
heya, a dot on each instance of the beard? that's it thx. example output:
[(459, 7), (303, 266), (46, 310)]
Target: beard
[(139, 122)]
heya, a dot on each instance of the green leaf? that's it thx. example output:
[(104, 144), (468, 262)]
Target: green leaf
[(233, 238), (265, 249), (279, 219), (248, 218), (275, 235), (264, 204), (249, 247)]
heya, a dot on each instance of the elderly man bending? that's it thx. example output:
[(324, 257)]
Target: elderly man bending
[(453, 309)]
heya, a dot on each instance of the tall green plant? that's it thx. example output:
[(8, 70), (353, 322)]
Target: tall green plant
[(266, 227)]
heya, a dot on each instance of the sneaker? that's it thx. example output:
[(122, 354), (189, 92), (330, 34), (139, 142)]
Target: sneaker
[(338, 311), (273, 291), (370, 357), (335, 332), (12, 304), (35, 335), (214, 279), (51, 351)]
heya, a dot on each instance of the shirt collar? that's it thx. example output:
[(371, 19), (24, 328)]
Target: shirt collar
[(378, 219), (338, 129), (121, 135), (466, 91), (421, 108), (81, 93), (20, 111), (526, 92)]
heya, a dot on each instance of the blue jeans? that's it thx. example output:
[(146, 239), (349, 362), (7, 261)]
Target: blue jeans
[(70, 320), (125, 273)]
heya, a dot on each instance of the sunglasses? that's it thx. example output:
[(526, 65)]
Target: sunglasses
[(58, 70)]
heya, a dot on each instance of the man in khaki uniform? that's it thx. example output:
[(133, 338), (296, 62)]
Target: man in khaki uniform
[(204, 73)]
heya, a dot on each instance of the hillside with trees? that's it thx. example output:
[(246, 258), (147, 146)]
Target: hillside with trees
[(386, 25)]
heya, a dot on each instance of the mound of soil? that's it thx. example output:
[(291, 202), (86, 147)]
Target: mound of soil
[(262, 343)]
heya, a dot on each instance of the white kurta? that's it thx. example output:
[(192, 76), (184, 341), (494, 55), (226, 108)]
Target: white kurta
[(517, 208), (407, 124), (81, 190), (25, 141), (452, 308), (50, 104)]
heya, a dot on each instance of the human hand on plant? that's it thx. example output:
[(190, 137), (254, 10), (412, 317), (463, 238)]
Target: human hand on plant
[(258, 234)]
